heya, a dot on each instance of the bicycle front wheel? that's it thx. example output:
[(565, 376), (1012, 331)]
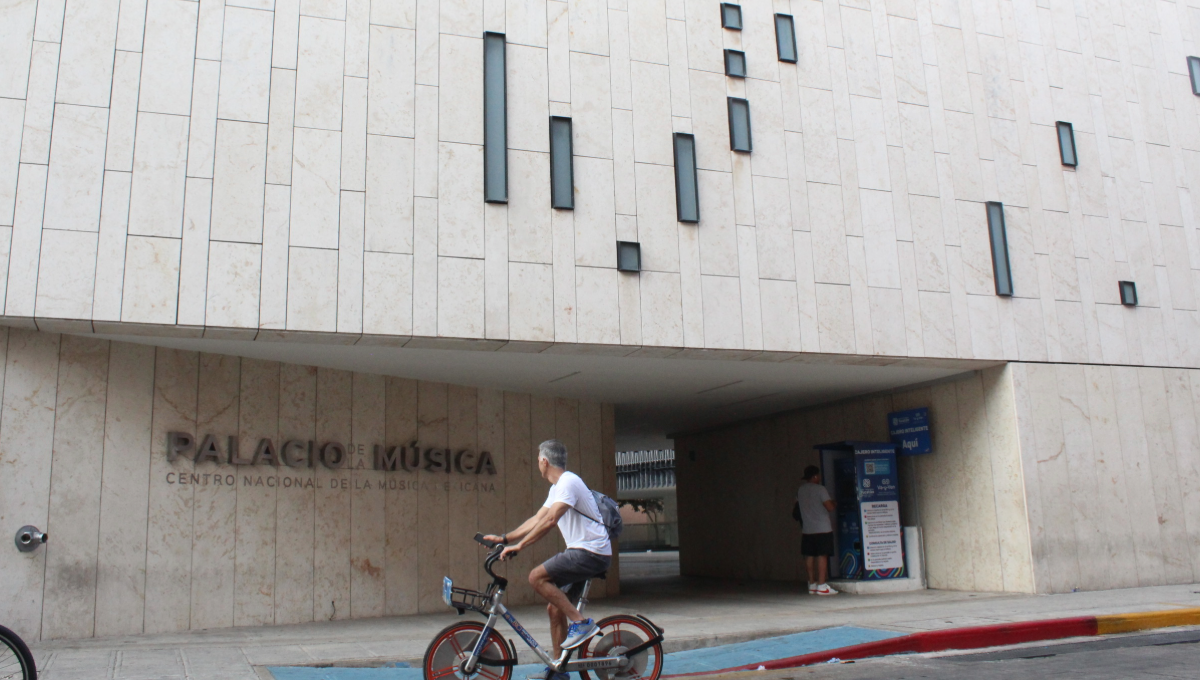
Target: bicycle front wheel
[(618, 634), (451, 647), (16, 662)]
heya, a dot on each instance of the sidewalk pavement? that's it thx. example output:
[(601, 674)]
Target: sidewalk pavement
[(695, 613)]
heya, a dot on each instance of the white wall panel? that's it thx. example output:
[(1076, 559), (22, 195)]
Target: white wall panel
[(159, 169), (150, 293), (26, 240), (168, 53), (316, 176), (39, 103), (246, 65), (195, 252), (389, 195), (76, 176), (12, 113), (312, 289), (233, 284), (238, 182), (322, 47), (16, 40), (391, 89), (66, 274), (122, 115)]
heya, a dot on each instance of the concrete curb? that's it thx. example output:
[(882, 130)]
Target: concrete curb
[(976, 637)]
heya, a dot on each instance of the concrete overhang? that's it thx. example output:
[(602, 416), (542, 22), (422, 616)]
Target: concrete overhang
[(655, 390)]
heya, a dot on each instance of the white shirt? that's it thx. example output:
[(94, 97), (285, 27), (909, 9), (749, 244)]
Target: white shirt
[(579, 531)]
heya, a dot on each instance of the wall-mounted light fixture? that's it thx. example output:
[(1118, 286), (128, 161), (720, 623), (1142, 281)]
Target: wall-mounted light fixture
[(1066, 144), (739, 125), (785, 38), (495, 120), (562, 173), (735, 63), (629, 256), (731, 16), (1128, 293), (1001, 268), (687, 196), (1194, 72)]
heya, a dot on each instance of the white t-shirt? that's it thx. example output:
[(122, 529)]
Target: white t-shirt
[(579, 531)]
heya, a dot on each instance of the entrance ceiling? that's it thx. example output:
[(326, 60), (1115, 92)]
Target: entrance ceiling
[(653, 395)]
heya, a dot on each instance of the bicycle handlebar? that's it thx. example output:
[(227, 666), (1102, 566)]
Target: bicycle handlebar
[(496, 549)]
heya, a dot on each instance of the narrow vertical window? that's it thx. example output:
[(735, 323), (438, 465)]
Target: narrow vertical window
[(629, 256), (739, 124), (1066, 144), (1000, 265), (731, 16), (785, 38), (495, 120), (735, 63), (1194, 72), (687, 198), (562, 174), (1128, 293)]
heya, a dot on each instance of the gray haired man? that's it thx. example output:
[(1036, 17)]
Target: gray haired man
[(572, 507)]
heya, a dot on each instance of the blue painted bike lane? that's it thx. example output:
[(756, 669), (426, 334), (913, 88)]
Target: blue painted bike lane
[(703, 660)]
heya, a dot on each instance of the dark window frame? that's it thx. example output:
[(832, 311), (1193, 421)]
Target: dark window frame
[(1066, 144), (739, 102), (686, 178), (562, 195), (729, 70), (629, 246), (1128, 291), (726, 8), (789, 40), (998, 239), (495, 118)]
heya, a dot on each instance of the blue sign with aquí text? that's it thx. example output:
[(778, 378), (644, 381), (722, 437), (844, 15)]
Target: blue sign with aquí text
[(909, 430)]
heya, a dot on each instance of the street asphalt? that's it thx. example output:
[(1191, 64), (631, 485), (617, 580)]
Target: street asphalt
[(1157, 655)]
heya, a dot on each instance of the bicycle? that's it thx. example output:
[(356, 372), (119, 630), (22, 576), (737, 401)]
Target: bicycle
[(16, 661), (626, 648)]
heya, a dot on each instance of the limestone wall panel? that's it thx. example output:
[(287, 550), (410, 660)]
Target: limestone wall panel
[(149, 544)]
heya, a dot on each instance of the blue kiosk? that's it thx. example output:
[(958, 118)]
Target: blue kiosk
[(862, 478)]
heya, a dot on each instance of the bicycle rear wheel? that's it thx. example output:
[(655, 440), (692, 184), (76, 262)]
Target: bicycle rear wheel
[(451, 647), (16, 662), (617, 634)]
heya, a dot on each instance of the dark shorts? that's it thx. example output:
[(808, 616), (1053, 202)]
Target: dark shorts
[(816, 545), (570, 568)]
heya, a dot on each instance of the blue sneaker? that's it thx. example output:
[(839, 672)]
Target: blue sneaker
[(579, 632), (548, 674)]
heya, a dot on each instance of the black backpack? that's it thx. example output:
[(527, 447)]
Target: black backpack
[(796, 515)]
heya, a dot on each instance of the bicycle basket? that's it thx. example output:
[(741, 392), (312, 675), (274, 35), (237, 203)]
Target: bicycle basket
[(463, 599)]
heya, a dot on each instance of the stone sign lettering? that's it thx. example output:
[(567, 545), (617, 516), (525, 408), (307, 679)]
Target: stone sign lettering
[(306, 453)]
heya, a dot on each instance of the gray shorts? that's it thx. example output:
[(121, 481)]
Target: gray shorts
[(570, 568)]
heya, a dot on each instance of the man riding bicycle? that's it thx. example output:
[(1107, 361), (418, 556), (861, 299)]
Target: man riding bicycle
[(560, 579)]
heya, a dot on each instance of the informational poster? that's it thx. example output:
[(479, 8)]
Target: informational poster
[(879, 511), (882, 547)]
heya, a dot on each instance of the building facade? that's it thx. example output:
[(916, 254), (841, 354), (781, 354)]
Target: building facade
[(305, 222)]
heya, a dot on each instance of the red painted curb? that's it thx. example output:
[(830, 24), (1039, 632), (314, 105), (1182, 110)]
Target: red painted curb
[(935, 641)]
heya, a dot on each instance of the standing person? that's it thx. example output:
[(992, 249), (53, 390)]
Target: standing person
[(559, 580), (816, 543)]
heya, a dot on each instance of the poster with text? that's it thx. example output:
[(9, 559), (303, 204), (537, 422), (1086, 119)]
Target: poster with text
[(882, 540)]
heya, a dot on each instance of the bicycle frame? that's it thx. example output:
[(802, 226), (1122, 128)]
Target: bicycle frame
[(496, 609)]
